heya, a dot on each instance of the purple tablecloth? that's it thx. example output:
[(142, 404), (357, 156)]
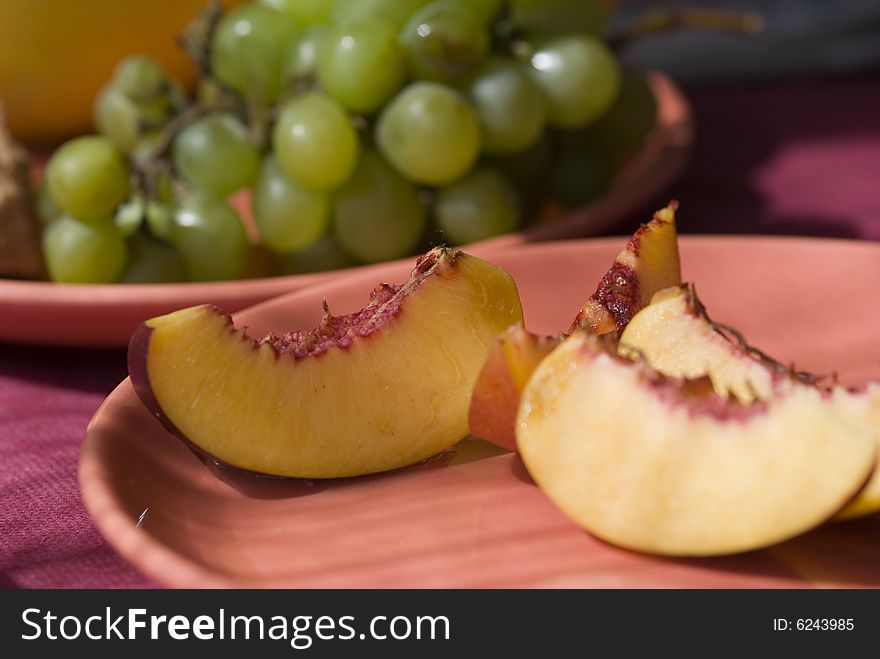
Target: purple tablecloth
[(797, 157)]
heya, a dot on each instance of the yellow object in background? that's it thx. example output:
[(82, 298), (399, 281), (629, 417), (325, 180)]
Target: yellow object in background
[(57, 54)]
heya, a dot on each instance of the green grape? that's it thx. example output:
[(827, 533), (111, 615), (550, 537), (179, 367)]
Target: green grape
[(430, 133), (378, 215), (288, 216), (579, 78), (129, 216), (159, 219), (315, 141), (83, 253), (321, 256), (301, 59), (481, 205), (46, 209), (445, 41), (125, 121), (117, 117), (248, 50), (577, 178), (361, 64), (528, 170), (140, 78), (304, 12), (215, 154), (558, 17), (394, 12), (210, 237), (510, 107), (152, 261), (486, 10), (623, 128), (88, 177)]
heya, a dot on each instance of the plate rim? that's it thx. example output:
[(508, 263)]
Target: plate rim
[(135, 546)]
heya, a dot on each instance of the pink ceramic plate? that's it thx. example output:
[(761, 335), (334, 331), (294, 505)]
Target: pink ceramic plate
[(44, 313), (474, 518)]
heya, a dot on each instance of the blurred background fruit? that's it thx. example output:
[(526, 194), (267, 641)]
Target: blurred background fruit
[(373, 130), (57, 54)]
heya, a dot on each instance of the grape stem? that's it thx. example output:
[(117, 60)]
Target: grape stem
[(196, 43), (506, 36), (196, 40), (658, 21), (148, 169)]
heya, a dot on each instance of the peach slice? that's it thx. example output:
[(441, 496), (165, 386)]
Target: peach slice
[(648, 263), (376, 390), (657, 465), (494, 403), (676, 337), (862, 405)]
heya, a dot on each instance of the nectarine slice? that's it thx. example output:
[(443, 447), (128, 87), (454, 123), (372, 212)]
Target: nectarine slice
[(382, 388), (676, 337), (862, 405), (652, 464), (648, 263), (495, 401)]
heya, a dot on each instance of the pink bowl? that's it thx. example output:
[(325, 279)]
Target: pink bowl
[(105, 315)]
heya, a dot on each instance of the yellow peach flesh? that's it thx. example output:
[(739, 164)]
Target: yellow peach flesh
[(389, 399), (649, 475)]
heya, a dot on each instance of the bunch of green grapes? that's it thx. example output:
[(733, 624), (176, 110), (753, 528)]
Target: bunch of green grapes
[(364, 130)]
